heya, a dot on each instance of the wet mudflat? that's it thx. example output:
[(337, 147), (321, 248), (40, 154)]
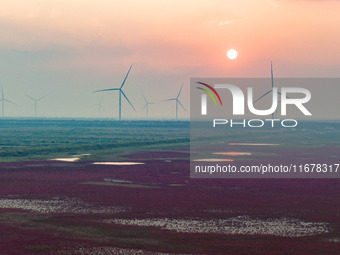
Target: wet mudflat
[(81, 208)]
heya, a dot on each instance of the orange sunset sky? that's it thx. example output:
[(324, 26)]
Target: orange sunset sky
[(69, 48)]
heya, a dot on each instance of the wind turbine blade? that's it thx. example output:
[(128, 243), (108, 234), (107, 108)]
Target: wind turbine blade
[(41, 98), (146, 101), (126, 77), (104, 90), (181, 105), (30, 97), (168, 99), (180, 90), (127, 100), (281, 95), (145, 106), (8, 101), (262, 96)]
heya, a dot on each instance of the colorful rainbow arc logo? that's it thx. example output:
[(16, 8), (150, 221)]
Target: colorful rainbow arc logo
[(209, 93)]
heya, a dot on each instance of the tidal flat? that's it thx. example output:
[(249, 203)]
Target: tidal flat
[(78, 207)]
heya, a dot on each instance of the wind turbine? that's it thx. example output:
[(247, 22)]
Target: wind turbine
[(121, 92), (177, 101), (147, 106), (3, 100), (36, 100), (272, 78), (99, 106)]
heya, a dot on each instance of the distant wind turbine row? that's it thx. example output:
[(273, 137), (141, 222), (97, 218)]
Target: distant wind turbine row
[(99, 104), (176, 99), (147, 103), (3, 100), (121, 93)]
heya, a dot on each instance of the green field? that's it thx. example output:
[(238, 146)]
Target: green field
[(103, 139)]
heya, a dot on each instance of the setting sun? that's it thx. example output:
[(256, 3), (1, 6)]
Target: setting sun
[(232, 54)]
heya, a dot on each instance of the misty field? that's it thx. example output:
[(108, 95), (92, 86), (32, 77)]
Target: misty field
[(128, 191)]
